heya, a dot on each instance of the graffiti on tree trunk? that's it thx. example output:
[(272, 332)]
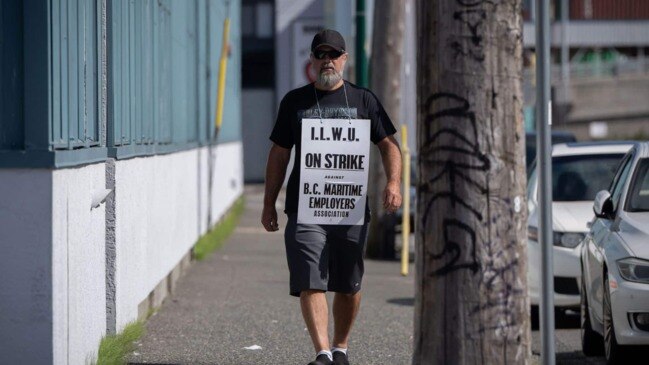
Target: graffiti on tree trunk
[(473, 235), (457, 138)]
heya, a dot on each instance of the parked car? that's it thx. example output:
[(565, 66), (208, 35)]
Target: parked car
[(579, 171), (530, 144), (615, 263)]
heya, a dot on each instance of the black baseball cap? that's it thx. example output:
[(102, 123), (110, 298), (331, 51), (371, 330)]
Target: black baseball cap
[(328, 37)]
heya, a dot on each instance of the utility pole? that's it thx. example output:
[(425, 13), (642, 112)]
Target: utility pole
[(385, 81), (471, 303)]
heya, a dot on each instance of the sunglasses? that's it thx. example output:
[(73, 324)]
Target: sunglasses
[(321, 54)]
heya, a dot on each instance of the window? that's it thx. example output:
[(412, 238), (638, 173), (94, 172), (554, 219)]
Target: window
[(257, 19), (531, 184), (579, 178), (620, 180), (248, 20), (264, 17), (638, 196)]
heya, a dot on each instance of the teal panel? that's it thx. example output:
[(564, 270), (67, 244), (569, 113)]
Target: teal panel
[(124, 94), (132, 50), (203, 70), (74, 117), (71, 97), (88, 113), (162, 72), (136, 77), (37, 70), (114, 66), (11, 75), (192, 71), (58, 52), (164, 67), (147, 88), (231, 127), (183, 45)]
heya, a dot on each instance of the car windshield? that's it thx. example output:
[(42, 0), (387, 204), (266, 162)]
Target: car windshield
[(579, 178), (530, 145), (638, 200)]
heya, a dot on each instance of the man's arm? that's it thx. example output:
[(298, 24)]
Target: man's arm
[(391, 157), (278, 159)]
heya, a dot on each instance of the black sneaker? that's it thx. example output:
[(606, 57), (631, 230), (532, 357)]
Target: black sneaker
[(340, 358), (321, 360)]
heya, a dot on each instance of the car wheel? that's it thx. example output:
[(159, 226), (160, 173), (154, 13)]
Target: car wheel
[(591, 341), (613, 351)]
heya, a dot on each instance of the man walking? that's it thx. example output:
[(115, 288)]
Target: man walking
[(326, 193)]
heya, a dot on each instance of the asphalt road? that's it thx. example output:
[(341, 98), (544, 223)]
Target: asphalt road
[(567, 342)]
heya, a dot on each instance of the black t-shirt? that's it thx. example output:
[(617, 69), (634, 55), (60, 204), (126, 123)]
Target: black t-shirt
[(301, 103)]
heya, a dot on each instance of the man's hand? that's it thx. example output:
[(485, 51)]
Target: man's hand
[(269, 218), (392, 197), (275, 170), (391, 158)]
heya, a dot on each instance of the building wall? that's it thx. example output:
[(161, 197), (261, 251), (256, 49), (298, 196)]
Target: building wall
[(624, 129), (287, 12), (54, 285), (25, 266), (610, 98), (96, 115), (161, 211), (258, 110), (609, 9), (227, 178), (78, 263)]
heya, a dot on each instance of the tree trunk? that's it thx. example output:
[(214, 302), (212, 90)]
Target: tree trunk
[(385, 82), (471, 302)]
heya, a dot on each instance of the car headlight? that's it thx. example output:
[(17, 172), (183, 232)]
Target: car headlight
[(563, 239), (632, 269), (567, 239)]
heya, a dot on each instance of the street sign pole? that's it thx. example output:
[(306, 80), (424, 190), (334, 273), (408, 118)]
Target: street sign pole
[(544, 163)]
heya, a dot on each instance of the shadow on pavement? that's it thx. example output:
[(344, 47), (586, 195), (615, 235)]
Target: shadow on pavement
[(563, 319), (567, 319), (577, 357), (402, 301)]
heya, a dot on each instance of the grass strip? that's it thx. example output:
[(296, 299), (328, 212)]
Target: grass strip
[(114, 349), (215, 238)]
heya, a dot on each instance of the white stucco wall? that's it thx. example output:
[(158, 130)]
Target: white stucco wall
[(25, 266), (53, 245), (227, 180), (78, 264), (161, 211)]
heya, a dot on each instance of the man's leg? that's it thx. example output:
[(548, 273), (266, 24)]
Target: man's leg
[(344, 311), (316, 317)]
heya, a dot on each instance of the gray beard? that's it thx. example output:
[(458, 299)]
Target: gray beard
[(329, 79)]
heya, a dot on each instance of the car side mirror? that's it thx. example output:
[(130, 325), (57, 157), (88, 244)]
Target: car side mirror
[(603, 206)]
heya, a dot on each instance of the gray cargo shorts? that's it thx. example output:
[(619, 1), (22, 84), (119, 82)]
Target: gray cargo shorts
[(325, 257)]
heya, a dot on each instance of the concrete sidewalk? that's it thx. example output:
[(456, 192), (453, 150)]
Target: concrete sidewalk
[(239, 298)]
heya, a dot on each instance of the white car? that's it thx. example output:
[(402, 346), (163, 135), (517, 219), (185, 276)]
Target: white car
[(579, 171), (615, 263)]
